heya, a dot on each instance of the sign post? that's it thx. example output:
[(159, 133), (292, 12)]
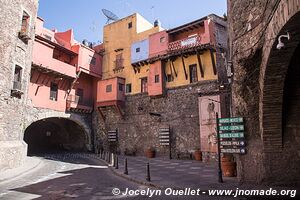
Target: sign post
[(231, 137), (220, 178)]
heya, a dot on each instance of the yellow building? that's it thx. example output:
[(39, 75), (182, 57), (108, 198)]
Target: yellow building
[(117, 39), (139, 51)]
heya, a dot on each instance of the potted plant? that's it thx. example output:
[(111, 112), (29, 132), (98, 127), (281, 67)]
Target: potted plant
[(198, 154), (150, 152), (228, 166)]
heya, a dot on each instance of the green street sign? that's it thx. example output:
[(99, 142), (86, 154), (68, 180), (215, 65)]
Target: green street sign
[(232, 143), (231, 120), (232, 128), (240, 150), (232, 135)]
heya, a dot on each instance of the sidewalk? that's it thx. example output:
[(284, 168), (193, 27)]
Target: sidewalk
[(173, 173), (29, 164)]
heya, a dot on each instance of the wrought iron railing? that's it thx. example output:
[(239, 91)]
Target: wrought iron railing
[(119, 64)]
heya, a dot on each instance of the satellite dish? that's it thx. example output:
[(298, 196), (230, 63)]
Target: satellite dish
[(110, 15)]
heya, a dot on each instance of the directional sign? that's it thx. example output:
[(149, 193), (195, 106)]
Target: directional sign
[(241, 150), (231, 120), (232, 128), (232, 135), (232, 143), (164, 136), (112, 136)]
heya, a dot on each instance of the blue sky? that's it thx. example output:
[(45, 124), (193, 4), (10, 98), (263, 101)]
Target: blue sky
[(86, 19)]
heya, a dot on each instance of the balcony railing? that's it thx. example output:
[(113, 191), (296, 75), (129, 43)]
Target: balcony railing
[(80, 100), (185, 43), (118, 64)]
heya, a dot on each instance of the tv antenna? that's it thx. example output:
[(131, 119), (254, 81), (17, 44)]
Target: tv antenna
[(110, 15)]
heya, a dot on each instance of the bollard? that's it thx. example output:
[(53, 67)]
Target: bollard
[(148, 178), (109, 157), (126, 169), (117, 162), (114, 160)]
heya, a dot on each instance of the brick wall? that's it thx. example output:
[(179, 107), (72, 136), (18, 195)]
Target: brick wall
[(259, 74)]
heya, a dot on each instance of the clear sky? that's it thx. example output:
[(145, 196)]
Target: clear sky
[(86, 19)]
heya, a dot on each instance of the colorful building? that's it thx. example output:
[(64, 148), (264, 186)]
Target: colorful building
[(149, 71), (63, 82)]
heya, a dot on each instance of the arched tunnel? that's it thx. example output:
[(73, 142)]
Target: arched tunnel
[(54, 135)]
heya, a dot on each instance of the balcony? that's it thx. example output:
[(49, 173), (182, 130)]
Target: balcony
[(111, 92), (118, 65), (185, 43), (77, 103)]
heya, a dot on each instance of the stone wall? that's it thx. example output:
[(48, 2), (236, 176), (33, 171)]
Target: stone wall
[(14, 51), (139, 130), (254, 27)]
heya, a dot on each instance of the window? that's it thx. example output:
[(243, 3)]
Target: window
[(129, 25), (121, 86), (79, 95), (17, 78), (53, 91), (25, 24), (156, 79), (170, 78), (119, 61), (162, 39), (128, 88), (109, 88), (193, 73), (144, 85), (137, 49), (92, 60)]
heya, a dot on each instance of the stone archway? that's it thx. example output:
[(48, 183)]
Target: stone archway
[(55, 134), (280, 160), (274, 67), (36, 114)]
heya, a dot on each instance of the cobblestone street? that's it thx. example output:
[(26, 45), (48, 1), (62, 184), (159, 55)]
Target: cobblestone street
[(72, 176)]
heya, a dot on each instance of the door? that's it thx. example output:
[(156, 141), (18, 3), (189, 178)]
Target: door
[(193, 73), (144, 85)]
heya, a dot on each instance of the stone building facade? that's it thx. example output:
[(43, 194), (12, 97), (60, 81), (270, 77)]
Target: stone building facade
[(138, 128), (17, 21), (264, 41)]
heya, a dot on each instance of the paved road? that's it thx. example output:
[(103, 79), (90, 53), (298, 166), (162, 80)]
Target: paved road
[(74, 176)]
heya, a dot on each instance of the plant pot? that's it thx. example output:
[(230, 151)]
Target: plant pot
[(228, 168), (198, 155), (150, 153)]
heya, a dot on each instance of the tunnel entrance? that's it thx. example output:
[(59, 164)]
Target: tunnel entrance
[(54, 135)]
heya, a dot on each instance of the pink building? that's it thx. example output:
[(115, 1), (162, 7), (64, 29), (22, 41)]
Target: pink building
[(64, 72)]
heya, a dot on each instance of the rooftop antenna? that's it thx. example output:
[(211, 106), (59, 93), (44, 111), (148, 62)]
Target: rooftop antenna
[(110, 15)]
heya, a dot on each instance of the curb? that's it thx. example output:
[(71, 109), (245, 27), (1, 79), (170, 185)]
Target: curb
[(23, 172)]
